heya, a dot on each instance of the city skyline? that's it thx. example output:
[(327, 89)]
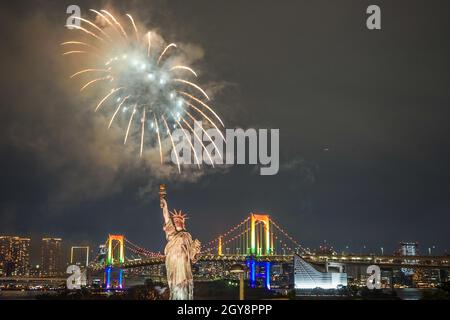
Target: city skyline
[(35, 256)]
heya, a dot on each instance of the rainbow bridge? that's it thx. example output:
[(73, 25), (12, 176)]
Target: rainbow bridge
[(257, 241)]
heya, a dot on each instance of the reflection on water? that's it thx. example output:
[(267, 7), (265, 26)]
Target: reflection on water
[(19, 295), (404, 294), (409, 293)]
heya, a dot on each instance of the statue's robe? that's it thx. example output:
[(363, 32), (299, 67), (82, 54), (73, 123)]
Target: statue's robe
[(180, 253)]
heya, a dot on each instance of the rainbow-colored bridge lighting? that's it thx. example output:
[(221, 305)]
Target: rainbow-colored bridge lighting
[(261, 242), (257, 270), (111, 283), (113, 257)]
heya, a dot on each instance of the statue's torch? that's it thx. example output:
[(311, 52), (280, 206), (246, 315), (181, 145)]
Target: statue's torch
[(162, 193)]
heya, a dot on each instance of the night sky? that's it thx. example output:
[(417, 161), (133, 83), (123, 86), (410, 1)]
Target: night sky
[(363, 118)]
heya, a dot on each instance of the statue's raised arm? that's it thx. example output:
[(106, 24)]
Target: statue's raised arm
[(163, 203), (165, 210)]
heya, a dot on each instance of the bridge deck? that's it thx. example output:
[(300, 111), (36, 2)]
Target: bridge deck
[(382, 261)]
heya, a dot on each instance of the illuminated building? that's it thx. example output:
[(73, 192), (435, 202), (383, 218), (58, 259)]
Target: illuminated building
[(35, 271), (51, 256), (101, 255), (307, 277), (14, 256), (408, 249), (258, 270), (79, 256)]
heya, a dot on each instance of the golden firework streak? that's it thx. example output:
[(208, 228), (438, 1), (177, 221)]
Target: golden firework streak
[(129, 124), (94, 26), (142, 134), (74, 52), (165, 50), (203, 104), (188, 139), (200, 140), (106, 19), (94, 81), (88, 70), (134, 26), (159, 139), (106, 97), (117, 110), (206, 133), (81, 52), (206, 117), (184, 68), (173, 144), (86, 31), (116, 22), (149, 35), (192, 85), (79, 43)]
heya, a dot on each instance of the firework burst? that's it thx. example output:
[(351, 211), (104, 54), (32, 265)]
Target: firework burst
[(148, 93)]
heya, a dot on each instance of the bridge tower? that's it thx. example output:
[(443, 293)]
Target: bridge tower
[(261, 240), (112, 257), (220, 246), (115, 255)]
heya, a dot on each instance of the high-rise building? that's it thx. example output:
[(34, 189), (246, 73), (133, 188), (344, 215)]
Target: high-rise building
[(79, 256), (408, 249), (14, 256), (22, 255), (4, 247), (51, 256)]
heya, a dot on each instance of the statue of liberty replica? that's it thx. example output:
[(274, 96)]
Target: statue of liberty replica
[(181, 251)]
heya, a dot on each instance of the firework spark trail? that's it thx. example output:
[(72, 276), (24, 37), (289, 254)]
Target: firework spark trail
[(159, 139), (117, 110), (143, 73), (188, 139), (88, 70), (94, 26), (81, 52), (200, 140), (207, 118), (184, 68), (206, 133), (134, 26), (129, 124), (94, 81), (79, 43), (74, 52), (117, 23), (149, 37), (173, 144), (86, 31), (106, 19), (193, 85), (106, 97), (165, 50), (142, 134), (203, 104)]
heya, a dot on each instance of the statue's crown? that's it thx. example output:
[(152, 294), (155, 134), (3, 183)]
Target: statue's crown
[(178, 216)]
